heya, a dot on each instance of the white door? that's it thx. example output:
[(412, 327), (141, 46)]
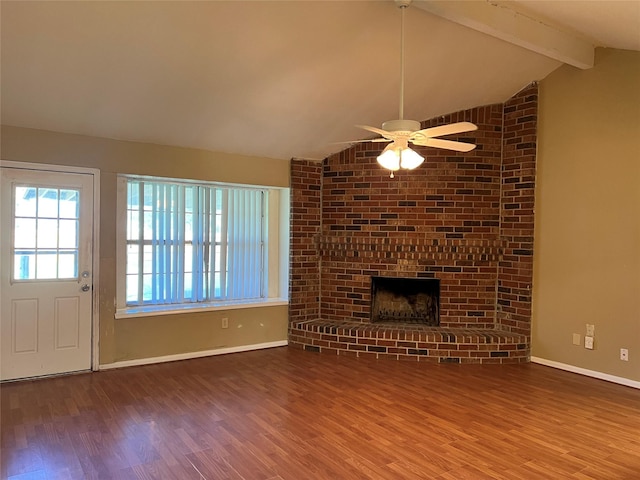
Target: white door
[(46, 225)]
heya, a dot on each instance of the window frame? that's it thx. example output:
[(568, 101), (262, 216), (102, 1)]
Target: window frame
[(276, 265)]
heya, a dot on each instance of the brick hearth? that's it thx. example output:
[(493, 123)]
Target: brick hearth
[(411, 342), (464, 218)]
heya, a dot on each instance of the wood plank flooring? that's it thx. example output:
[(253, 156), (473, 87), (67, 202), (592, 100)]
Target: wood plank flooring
[(287, 414)]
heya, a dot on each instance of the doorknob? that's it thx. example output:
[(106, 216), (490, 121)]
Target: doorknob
[(85, 288)]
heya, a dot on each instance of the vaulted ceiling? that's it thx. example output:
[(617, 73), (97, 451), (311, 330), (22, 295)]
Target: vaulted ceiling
[(281, 79)]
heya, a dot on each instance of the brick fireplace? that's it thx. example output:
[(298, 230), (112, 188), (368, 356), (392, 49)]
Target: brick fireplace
[(464, 220)]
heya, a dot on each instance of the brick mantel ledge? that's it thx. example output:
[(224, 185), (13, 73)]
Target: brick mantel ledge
[(410, 342)]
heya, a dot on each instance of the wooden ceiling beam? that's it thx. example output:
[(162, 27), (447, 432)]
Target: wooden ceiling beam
[(501, 21)]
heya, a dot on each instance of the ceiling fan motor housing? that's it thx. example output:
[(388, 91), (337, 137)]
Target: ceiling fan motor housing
[(409, 126)]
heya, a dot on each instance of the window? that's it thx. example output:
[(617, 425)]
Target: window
[(45, 243), (192, 243)]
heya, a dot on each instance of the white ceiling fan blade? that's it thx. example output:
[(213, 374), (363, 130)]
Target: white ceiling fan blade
[(374, 140), (446, 144), (450, 129), (379, 131)]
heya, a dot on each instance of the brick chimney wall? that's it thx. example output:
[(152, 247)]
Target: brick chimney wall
[(515, 269), (304, 229), (465, 218)]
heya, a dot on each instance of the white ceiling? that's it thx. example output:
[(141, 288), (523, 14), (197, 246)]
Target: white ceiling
[(272, 78)]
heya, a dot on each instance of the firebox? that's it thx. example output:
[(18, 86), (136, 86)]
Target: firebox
[(405, 300)]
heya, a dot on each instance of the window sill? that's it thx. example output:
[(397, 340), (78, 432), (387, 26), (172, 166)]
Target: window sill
[(158, 310)]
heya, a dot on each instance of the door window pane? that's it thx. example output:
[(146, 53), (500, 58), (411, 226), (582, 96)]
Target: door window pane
[(25, 233), (47, 202), (25, 201), (24, 265), (68, 234), (67, 264), (46, 233), (46, 265), (69, 204)]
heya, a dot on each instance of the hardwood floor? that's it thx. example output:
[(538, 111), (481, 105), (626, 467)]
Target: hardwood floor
[(287, 414)]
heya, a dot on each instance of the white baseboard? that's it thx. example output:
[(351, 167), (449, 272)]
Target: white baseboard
[(589, 373), (190, 355)]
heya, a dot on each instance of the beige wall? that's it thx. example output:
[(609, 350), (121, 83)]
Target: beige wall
[(587, 233), (135, 338)]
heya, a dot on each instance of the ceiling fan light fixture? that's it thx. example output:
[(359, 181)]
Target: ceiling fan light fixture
[(390, 158), (410, 159), (396, 156)]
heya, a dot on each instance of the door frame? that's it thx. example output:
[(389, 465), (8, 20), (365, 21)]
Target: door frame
[(95, 252)]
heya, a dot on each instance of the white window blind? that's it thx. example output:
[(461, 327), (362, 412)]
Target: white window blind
[(189, 243)]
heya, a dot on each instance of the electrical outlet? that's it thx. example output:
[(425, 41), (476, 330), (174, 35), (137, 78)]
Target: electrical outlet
[(576, 339), (588, 342), (225, 322), (591, 330), (624, 354)]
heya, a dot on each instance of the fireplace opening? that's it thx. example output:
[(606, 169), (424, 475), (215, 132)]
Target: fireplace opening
[(405, 300)]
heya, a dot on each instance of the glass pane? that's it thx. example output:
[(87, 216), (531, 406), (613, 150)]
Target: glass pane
[(146, 288), (68, 265), (205, 288), (188, 258), (188, 285), (48, 202), (133, 195), (218, 228), (148, 196), (68, 234), (132, 289), (188, 199), (148, 225), (69, 204), (217, 291), (46, 264), (133, 227), (47, 234), (147, 259), (25, 233), (210, 249), (158, 286), (132, 260), (25, 202), (217, 258), (24, 266), (210, 221), (188, 227)]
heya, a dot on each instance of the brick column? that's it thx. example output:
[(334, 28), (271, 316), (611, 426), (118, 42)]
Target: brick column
[(515, 269), (305, 222)]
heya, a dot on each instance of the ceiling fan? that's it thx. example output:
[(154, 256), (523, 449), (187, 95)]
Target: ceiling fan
[(401, 132)]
